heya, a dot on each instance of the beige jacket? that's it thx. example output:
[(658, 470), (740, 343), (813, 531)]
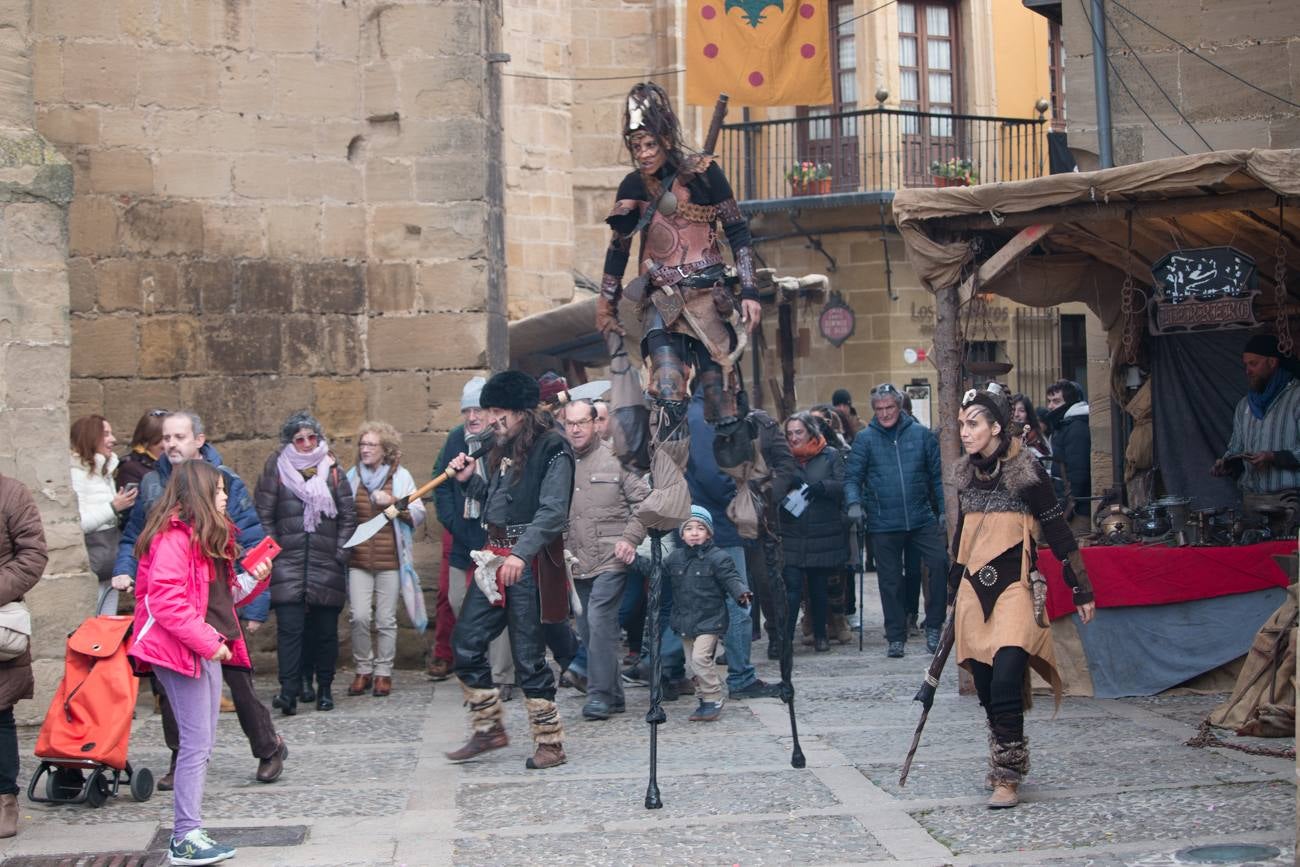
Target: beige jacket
[(602, 511)]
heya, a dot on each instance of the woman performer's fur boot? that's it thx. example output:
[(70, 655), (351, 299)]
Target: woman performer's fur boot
[(1008, 760), (548, 734), (485, 712)]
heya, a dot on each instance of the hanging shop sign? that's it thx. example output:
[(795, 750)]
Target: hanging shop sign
[(836, 321), (1206, 289)]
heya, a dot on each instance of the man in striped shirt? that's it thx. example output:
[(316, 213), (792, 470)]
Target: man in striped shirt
[(1265, 443)]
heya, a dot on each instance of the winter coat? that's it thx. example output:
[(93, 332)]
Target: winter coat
[(816, 539), (401, 484), (710, 487), (134, 467), (311, 567), (467, 534), (171, 605), (95, 491), (702, 577), (22, 561), (896, 475), (770, 441), (239, 508), (602, 511), (1072, 447)]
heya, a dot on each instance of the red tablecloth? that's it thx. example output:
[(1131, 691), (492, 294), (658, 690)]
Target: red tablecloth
[(1157, 575)]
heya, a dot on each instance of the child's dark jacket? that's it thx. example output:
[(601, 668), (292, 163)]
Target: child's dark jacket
[(702, 577)]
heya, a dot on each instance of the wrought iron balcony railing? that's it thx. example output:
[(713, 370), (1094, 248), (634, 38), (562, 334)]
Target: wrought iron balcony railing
[(877, 150)]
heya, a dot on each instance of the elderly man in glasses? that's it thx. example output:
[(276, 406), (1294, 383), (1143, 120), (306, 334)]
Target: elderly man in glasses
[(894, 483)]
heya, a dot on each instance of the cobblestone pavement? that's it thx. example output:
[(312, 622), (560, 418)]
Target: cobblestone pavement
[(1112, 783)]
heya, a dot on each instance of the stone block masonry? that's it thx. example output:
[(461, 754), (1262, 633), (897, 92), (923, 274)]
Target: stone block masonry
[(245, 208), (276, 205)]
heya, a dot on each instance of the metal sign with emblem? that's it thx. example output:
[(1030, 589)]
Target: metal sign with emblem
[(1206, 289), (836, 321)]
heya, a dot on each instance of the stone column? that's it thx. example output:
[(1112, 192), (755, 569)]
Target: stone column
[(35, 190)]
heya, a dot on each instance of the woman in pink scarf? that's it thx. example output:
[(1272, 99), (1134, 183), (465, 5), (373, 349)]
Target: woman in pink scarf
[(305, 504)]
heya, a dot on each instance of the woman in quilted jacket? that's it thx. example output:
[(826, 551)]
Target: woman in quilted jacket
[(187, 589)]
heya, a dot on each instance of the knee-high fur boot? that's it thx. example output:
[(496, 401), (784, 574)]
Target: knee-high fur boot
[(1008, 759), (548, 734), (485, 712)]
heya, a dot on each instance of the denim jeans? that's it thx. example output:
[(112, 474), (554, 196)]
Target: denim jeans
[(672, 656), (740, 632), (889, 550)]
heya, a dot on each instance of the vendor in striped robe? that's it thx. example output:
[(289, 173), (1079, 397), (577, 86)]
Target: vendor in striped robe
[(1265, 445)]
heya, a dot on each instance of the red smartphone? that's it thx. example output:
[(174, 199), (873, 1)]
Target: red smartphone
[(264, 551)]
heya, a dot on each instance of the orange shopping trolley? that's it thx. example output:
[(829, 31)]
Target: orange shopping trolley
[(83, 741)]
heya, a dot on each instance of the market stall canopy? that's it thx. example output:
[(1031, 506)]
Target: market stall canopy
[(1083, 247), (567, 333)]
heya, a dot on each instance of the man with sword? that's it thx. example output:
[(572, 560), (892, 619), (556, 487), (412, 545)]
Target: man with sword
[(521, 579)]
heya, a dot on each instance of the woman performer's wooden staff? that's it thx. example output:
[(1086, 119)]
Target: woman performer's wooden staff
[(925, 695)]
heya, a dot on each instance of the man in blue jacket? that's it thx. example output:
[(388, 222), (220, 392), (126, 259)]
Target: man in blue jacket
[(714, 490), (184, 440), (894, 482)]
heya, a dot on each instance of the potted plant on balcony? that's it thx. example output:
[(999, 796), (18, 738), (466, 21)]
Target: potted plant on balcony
[(955, 172), (809, 179)]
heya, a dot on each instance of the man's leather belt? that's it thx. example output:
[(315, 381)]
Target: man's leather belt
[(675, 275), (504, 537)]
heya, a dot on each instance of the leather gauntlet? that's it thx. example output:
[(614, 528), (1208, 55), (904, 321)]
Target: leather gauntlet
[(607, 314), (1076, 575)]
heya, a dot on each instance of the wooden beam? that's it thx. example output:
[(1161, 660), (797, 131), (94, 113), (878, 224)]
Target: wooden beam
[(1005, 257), (1089, 212)]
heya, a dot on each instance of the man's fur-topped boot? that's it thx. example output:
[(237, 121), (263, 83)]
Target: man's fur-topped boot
[(485, 712), (1008, 760), (548, 734)]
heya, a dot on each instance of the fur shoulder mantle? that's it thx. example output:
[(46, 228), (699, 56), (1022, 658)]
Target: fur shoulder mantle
[(1020, 470)]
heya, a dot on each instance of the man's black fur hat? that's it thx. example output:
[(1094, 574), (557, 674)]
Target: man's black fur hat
[(510, 389)]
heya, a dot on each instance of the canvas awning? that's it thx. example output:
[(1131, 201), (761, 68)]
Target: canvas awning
[(1202, 200)]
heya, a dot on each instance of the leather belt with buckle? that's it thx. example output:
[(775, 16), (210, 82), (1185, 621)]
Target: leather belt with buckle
[(673, 275)]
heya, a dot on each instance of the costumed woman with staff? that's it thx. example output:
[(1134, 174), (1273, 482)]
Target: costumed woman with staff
[(1001, 629)]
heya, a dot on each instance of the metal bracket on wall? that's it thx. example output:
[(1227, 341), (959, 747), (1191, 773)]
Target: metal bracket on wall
[(815, 243), (884, 244)]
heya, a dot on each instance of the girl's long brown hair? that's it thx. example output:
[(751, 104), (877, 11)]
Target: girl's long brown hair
[(191, 495), (86, 435)]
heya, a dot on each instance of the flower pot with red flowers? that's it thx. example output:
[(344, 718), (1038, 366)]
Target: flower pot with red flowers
[(953, 173), (809, 179)]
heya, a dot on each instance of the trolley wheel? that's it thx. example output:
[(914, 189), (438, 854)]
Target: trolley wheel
[(97, 790), (63, 784), (142, 784)]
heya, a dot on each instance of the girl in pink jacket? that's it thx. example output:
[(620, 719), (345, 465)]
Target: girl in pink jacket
[(187, 589)]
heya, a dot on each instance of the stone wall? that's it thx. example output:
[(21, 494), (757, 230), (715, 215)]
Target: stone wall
[(1258, 40), (276, 205), (35, 189)]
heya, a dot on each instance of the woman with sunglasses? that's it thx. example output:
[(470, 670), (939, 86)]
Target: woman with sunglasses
[(1001, 630), (306, 505)]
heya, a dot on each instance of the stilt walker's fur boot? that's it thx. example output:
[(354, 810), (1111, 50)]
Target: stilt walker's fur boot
[(548, 734), (1008, 760), (485, 712)]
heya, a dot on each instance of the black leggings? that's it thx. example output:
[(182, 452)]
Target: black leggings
[(999, 686), (8, 753)]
